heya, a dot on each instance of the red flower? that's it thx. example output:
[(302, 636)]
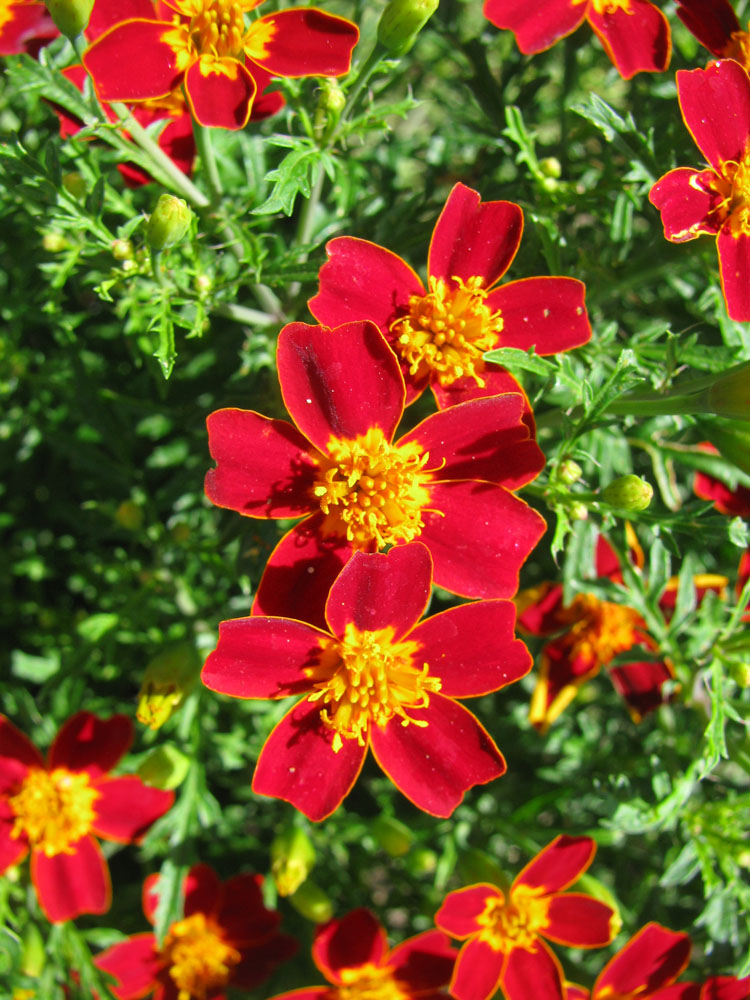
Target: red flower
[(56, 809), (376, 676), (504, 933), (446, 482), (634, 33), (440, 332), (353, 955), (734, 503), (715, 104), (25, 27), (715, 25), (208, 48), (227, 937)]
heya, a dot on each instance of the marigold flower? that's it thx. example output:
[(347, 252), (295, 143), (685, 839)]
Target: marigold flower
[(375, 676), (25, 27), (715, 200), (635, 34), (57, 808), (353, 955), (208, 48), (505, 931), (440, 331), (226, 937), (715, 25), (733, 503), (447, 482)]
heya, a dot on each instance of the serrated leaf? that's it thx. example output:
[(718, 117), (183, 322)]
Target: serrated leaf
[(515, 358), (293, 176)]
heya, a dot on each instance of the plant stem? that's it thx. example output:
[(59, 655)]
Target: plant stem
[(242, 314), (363, 75), (307, 222), (206, 150), (157, 269)]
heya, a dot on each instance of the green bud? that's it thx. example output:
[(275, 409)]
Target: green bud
[(332, 98), (74, 184), (578, 511), (739, 671), (70, 16), (422, 861), (292, 859), (477, 866), (165, 767), (569, 472), (401, 22), (551, 167), (312, 903), (168, 679), (628, 493), (54, 242), (169, 222), (32, 952), (549, 184), (129, 515), (393, 836), (122, 250)]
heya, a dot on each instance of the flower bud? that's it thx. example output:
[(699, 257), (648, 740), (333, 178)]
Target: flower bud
[(739, 671), (122, 250), (569, 472), (74, 184), (312, 903), (54, 242), (165, 767), (578, 512), (551, 167), (70, 16), (628, 493), (422, 861), (129, 515), (168, 679), (168, 223), (292, 859), (332, 98), (401, 22), (392, 835), (32, 952)]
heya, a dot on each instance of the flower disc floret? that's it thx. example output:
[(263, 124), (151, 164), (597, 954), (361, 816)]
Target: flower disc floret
[(731, 182), (516, 922), (216, 26), (199, 959), (53, 809), (599, 630), (607, 6), (370, 982)]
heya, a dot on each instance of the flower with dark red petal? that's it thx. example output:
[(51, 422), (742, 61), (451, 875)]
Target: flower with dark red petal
[(56, 810), (447, 482), (734, 503), (25, 27), (715, 25), (635, 34), (715, 104), (376, 676), (210, 50), (440, 330), (505, 932), (226, 937)]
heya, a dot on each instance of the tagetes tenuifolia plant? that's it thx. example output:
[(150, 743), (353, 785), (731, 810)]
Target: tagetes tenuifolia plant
[(715, 25), (353, 955), (377, 677), (440, 332), (505, 932), (447, 482), (226, 938), (208, 48), (634, 33), (715, 105), (57, 808)]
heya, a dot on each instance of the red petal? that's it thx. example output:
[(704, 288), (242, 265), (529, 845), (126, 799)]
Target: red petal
[(220, 92), (652, 958), (579, 921), (536, 26), (357, 939), (126, 808), (306, 993), (725, 988), (640, 685), (458, 914), (636, 40), (473, 238), (424, 962), (573, 992), (381, 590), (478, 971), (302, 42), (560, 676), (533, 973), (132, 62), (264, 467), (339, 382), (434, 765), (734, 261), (17, 755), (559, 864), (297, 764), (267, 102), (263, 658), (71, 884), (242, 914), (259, 960), (548, 314), (715, 104), (539, 609), (711, 21), (687, 204), (176, 140), (472, 648), (134, 963), (12, 849), (150, 896), (480, 539), (88, 743), (497, 382), (26, 27), (202, 890), (735, 503), (680, 991), (107, 13)]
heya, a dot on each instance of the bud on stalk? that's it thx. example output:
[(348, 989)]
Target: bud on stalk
[(168, 679), (628, 493), (401, 22), (166, 767), (312, 903), (169, 223), (292, 859), (70, 16)]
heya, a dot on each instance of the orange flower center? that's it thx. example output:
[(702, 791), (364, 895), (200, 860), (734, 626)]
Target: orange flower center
[(738, 48), (373, 491), (515, 923), (199, 959), (447, 331), (365, 679), (607, 6), (600, 629), (370, 982), (216, 28), (54, 809), (732, 183)]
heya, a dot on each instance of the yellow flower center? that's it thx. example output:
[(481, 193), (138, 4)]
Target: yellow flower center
[(54, 809), (216, 28), (600, 629), (370, 982), (373, 491), (199, 959), (447, 331), (739, 48), (607, 6), (515, 923), (367, 678), (732, 183)]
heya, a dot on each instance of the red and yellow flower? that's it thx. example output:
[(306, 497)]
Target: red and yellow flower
[(440, 330), (715, 104), (634, 33), (733, 503), (56, 808), (505, 932), (25, 26), (226, 937), (715, 25), (447, 482), (376, 676), (207, 47), (353, 955)]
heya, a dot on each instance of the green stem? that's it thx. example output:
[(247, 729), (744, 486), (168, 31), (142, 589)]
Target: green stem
[(360, 81), (307, 222), (244, 315), (653, 406), (157, 268), (206, 151)]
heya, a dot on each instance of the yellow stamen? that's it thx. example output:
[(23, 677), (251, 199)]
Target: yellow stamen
[(447, 331), (738, 48), (599, 630), (199, 959), (216, 28), (515, 922), (731, 182), (606, 6), (370, 982), (54, 809), (367, 678)]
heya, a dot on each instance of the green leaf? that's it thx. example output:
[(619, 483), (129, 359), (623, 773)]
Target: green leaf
[(95, 627), (36, 669), (515, 358), (294, 175)]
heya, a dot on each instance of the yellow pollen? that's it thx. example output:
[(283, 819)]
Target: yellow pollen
[(373, 491), (367, 678), (515, 923), (370, 982), (732, 183), (199, 959), (216, 28), (54, 809), (738, 48), (447, 331), (600, 629), (607, 6)]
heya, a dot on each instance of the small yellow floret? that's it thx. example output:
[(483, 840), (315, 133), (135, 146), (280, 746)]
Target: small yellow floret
[(199, 960), (515, 922), (54, 809)]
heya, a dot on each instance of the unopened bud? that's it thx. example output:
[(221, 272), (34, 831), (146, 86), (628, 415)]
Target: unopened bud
[(292, 859), (739, 671), (628, 493), (578, 511), (122, 250), (332, 98), (312, 903), (32, 952), (168, 223), (165, 767), (129, 515), (54, 242), (551, 167), (569, 472), (422, 861), (70, 16), (549, 184), (393, 836), (168, 679), (74, 184), (401, 22)]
